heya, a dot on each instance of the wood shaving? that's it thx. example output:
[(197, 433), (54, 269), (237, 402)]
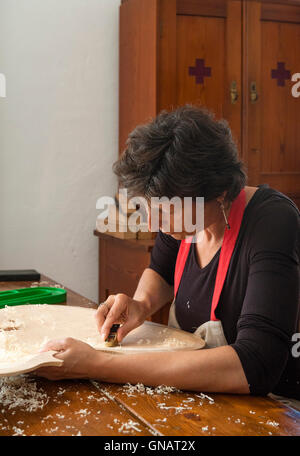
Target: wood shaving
[(272, 423), (189, 399), (17, 431), (60, 391), (153, 432), (177, 409), (129, 426), (104, 391), (83, 412), (204, 396)]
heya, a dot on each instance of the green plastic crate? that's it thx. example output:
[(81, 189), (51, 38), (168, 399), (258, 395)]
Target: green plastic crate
[(34, 295)]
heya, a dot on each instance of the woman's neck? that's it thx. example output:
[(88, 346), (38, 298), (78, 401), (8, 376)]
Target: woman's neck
[(214, 233)]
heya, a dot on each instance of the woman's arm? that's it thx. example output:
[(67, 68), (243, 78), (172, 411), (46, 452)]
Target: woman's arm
[(153, 290), (214, 370), (270, 309)]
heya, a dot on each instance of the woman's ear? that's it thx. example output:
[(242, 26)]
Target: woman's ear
[(222, 197)]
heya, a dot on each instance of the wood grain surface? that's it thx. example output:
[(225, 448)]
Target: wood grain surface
[(86, 407), (187, 413)]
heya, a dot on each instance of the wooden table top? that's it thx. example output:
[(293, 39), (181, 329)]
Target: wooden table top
[(88, 408)]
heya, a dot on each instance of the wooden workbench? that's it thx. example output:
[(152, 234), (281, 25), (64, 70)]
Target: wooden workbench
[(86, 407)]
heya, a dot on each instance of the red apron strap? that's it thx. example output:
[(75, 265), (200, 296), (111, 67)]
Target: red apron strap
[(230, 236), (180, 263)]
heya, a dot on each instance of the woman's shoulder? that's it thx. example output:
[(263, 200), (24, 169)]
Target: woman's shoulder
[(167, 241), (268, 202), (272, 222)]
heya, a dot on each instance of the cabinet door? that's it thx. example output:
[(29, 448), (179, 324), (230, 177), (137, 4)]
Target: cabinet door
[(138, 69), (271, 141), (200, 57)]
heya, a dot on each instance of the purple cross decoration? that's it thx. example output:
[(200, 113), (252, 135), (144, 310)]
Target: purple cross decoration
[(200, 71), (281, 74)]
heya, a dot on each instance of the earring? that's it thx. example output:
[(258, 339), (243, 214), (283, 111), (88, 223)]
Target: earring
[(224, 215)]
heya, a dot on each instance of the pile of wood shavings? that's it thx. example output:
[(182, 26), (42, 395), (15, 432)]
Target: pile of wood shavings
[(21, 392), (139, 388), (11, 349)]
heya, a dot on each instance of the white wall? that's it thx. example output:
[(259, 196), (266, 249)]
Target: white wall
[(58, 134)]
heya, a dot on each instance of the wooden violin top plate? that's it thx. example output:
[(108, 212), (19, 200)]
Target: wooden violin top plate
[(25, 329)]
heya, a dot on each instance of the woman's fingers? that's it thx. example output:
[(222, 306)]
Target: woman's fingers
[(115, 310), (128, 326), (103, 310), (116, 314)]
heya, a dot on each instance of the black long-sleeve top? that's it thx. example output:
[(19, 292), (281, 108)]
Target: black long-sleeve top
[(259, 303)]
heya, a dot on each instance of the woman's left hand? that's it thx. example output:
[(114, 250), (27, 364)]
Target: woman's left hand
[(80, 360)]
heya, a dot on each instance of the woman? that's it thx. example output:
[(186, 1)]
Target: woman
[(247, 309)]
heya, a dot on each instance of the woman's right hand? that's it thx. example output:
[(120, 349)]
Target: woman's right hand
[(121, 309)]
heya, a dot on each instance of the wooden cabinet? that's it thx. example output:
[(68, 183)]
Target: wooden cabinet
[(235, 57), (271, 133)]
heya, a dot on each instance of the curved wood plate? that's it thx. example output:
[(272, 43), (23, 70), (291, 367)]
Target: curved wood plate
[(41, 360), (30, 326)]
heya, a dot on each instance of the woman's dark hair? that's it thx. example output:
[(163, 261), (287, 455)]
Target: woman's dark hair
[(185, 152)]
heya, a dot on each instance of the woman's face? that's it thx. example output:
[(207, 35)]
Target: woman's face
[(184, 218)]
